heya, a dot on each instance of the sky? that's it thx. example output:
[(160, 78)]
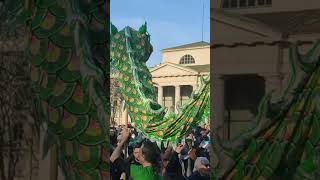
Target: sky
[(169, 22)]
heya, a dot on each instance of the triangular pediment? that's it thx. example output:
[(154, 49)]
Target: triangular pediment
[(171, 69), (230, 28)]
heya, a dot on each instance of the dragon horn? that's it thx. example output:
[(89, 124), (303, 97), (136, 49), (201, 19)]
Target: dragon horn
[(143, 28), (113, 29)]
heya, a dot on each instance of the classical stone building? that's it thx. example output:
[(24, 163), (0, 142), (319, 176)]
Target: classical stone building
[(250, 54), (179, 74)]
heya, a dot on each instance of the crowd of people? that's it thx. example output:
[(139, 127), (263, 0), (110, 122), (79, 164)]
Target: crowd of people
[(135, 157)]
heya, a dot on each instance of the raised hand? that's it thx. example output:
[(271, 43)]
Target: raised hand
[(179, 148), (124, 135)]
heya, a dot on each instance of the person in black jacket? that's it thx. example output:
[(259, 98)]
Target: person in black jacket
[(173, 169), (201, 169)]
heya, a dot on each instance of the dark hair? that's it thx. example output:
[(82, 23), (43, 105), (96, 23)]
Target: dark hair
[(151, 153), (136, 145)]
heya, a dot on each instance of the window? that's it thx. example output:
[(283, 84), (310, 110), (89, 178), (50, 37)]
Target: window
[(234, 3), (245, 3), (186, 92), (187, 59), (225, 4), (168, 96), (251, 3), (243, 94), (261, 2)]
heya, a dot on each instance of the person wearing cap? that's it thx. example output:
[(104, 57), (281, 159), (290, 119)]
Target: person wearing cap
[(201, 169)]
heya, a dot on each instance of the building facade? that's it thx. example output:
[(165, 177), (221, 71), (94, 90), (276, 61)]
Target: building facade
[(250, 42), (180, 72)]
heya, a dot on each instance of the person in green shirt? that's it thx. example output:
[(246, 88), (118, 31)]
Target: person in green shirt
[(149, 159)]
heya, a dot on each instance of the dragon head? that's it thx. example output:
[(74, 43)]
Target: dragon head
[(130, 41)]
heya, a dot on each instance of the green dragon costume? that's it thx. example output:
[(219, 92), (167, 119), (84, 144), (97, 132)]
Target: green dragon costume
[(286, 144), (69, 58), (130, 49)]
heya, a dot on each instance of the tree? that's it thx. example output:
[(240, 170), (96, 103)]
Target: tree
[(18, 126)]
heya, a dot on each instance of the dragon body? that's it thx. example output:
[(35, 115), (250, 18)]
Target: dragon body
[(285, 144), (130, 49)]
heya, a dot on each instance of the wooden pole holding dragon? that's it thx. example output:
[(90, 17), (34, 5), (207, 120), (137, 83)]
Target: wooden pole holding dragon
[(126, 127)]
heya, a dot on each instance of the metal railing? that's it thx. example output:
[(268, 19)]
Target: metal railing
[(245, 3)]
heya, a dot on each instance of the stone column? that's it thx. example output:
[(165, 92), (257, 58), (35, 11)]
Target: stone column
[(273, 82), (177, 97), (218, 105), (160, 95)]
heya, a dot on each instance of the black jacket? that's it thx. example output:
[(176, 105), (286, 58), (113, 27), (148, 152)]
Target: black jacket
[(196, 176), (174, 169)]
